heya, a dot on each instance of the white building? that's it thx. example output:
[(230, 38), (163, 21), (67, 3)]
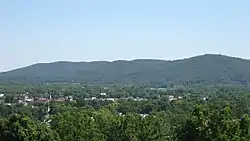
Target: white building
[(111, 99), (143, 115), (1, 95), (171, 98), (103, 94), (70, 98), (180, 97)]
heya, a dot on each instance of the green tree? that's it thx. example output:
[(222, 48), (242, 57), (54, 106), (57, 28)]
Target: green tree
[(208, 124), (19, 128), (76, 126)]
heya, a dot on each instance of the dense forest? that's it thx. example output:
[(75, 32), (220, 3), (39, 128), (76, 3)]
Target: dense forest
[(139, 100), (123, 113), (195, 70)]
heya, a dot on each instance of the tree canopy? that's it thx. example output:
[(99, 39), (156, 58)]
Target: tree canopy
[(195, 70)]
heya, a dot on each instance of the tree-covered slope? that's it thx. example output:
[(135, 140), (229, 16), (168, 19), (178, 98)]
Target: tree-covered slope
[(205, 69)]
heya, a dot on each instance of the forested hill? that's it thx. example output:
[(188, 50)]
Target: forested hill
[(205, 69)]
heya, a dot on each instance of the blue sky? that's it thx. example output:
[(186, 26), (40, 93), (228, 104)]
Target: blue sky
[(84, 30)]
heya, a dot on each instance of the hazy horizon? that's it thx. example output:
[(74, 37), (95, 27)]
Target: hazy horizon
[(122, 60), (48, 31)]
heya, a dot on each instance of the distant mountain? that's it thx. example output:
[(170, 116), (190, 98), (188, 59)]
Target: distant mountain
[(205, 69)]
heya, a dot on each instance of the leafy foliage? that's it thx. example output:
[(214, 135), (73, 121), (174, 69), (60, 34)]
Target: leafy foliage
[(18, 128), (196, 114)]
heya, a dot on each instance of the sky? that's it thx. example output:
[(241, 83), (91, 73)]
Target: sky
[(36, 31)]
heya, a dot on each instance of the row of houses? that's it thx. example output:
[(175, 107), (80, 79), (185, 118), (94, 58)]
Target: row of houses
[(172, 98), (26, 99), (115, 99), (61, 99)]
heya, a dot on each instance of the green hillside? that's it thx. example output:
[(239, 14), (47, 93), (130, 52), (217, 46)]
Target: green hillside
[(205, 69)]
